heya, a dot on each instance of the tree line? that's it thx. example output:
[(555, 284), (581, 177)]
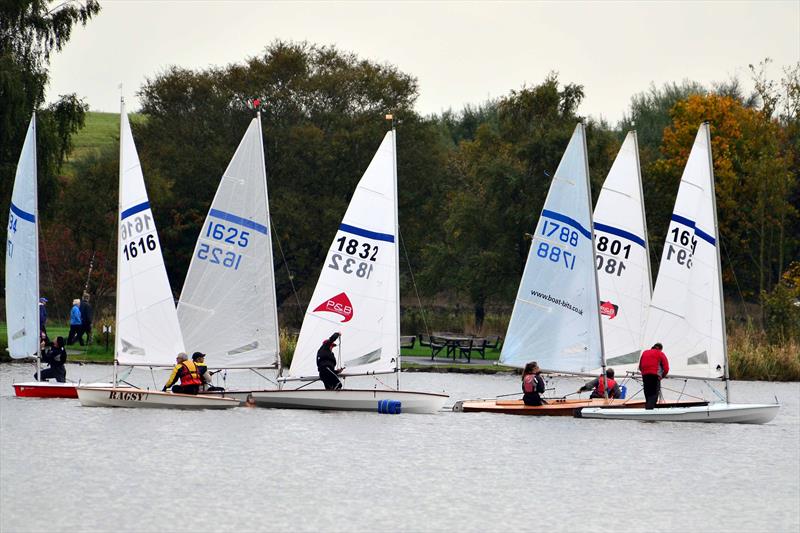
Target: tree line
[(471, 182)]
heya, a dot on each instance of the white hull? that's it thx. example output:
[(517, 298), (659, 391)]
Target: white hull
[(349, 400), (715, 412), (130, 397)]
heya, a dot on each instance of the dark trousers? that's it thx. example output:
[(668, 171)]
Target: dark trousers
[(186, 389), (75, 332), (57, 373), (329, 378), (532, 398), (652, 387), (87, 329)]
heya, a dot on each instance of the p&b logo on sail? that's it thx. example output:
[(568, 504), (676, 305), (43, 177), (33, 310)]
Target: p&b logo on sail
[(608, 309), (339, 304)]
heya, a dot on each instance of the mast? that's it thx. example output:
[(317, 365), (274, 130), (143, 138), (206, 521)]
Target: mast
[(594, 270), (713, 192), (274, 303), (397, 243), (119, 210), (36, 251), (644, 217)]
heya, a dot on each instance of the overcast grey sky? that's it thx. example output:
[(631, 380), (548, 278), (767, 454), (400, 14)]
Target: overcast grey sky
[(461, 52)]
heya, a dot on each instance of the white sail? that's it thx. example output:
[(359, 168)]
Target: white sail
[(555, 318), (685, 313), (227, 307), (22, 255), (356, 293), (147, 330), (622, 259)]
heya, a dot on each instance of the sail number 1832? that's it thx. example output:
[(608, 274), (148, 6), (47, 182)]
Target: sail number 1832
[(354, 265)]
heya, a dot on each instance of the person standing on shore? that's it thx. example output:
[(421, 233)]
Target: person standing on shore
[(75, 323), (532, 385), (86, 318), (43, 316), (654, 367)]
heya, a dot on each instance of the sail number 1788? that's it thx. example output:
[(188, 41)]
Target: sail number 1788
[(556, 252)]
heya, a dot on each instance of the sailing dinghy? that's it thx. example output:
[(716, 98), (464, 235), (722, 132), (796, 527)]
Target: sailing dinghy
[(147, 329), (227, 308), (686, 312), (622, 259), (555, 319), (22, 274), (357, 294)]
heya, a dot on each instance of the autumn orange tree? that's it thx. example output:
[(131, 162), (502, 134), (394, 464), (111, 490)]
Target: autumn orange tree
[(754, 186)]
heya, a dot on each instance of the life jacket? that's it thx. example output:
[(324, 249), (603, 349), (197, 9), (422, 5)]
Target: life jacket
[(600, 389), (189, 374), (529, 384)]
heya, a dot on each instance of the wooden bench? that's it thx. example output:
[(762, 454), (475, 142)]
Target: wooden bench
[(407, 341)]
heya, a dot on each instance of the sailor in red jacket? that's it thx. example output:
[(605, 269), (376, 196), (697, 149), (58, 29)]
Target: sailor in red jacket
[(654, 366)]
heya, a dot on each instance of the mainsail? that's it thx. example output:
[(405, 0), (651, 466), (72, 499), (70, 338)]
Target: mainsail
[(22, 255), (555, 317), (147, 330), (356, 293), (685, 313), (227, 307), (622, 259)]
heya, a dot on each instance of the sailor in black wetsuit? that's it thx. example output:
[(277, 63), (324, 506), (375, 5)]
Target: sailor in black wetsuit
[(326, 364), (56, 356)]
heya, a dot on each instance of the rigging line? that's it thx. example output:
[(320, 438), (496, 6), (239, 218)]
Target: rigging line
[(730, 264), (89, 274), (257, 373), (285, 264), (662, 388), (414, 283), (388, 387)]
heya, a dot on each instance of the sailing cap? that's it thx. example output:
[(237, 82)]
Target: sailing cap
[(197, 355), (43, 300)]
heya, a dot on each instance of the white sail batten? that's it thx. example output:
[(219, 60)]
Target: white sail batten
[(356, 293), (22, 255), (685, 313), (147, 329), (228, 308), (554, 320), (622, 259)]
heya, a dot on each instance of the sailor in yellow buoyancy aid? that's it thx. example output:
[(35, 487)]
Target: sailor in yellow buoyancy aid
[(188, 373)]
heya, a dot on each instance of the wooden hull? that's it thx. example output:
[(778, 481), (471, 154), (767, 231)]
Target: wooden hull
[(715, 412), (130, 397), (349, 400), (553, 408)]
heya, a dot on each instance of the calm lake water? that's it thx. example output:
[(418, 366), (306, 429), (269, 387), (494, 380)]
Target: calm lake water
[(64, 467)]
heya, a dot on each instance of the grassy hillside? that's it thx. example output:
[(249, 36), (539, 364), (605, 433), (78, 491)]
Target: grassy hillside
[(100, 132)]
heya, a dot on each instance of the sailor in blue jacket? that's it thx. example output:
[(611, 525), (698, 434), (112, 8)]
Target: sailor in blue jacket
[(75, 323)]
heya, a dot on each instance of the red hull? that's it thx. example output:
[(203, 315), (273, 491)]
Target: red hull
[(45, 390)]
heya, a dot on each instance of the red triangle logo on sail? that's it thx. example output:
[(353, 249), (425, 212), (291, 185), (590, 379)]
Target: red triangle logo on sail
[(339, 304), (608, 309)]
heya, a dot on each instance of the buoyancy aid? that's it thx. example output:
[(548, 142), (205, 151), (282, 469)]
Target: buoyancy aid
[(600, 389), (529, 383), (189, 374)]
